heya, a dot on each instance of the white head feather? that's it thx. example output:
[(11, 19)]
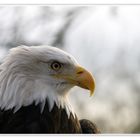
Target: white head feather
[(25, 78)]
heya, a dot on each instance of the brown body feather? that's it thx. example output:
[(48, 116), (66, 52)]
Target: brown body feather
[(30, 120)]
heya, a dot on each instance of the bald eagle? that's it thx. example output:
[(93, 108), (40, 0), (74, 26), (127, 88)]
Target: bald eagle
[(34, 84)]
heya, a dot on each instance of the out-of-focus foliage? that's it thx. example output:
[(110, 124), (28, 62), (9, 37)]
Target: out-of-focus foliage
[(104, 39)]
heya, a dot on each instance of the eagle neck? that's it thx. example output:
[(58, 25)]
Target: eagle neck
[(61, 101)]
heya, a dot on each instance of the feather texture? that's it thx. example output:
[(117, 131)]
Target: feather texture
[(24, 79), (29, 120)]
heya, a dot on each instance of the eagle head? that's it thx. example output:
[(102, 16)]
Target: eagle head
[(40, 73)]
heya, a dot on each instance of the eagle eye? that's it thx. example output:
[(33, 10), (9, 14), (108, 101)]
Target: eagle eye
[(56, 65)]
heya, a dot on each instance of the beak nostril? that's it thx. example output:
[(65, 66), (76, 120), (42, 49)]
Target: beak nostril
[(80, 72)]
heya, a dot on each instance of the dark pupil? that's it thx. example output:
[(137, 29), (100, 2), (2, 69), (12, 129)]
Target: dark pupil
[(56, 65)]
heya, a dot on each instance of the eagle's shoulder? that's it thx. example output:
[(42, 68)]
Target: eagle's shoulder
[(89, 127)]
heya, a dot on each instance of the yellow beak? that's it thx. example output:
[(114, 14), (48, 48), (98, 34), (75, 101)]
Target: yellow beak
[(85, 79), (81, 78)]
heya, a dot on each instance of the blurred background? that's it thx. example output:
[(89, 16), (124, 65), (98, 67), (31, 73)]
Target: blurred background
[(104, 39)]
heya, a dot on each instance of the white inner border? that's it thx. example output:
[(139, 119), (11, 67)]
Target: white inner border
[(66, 2), (70, 2)]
